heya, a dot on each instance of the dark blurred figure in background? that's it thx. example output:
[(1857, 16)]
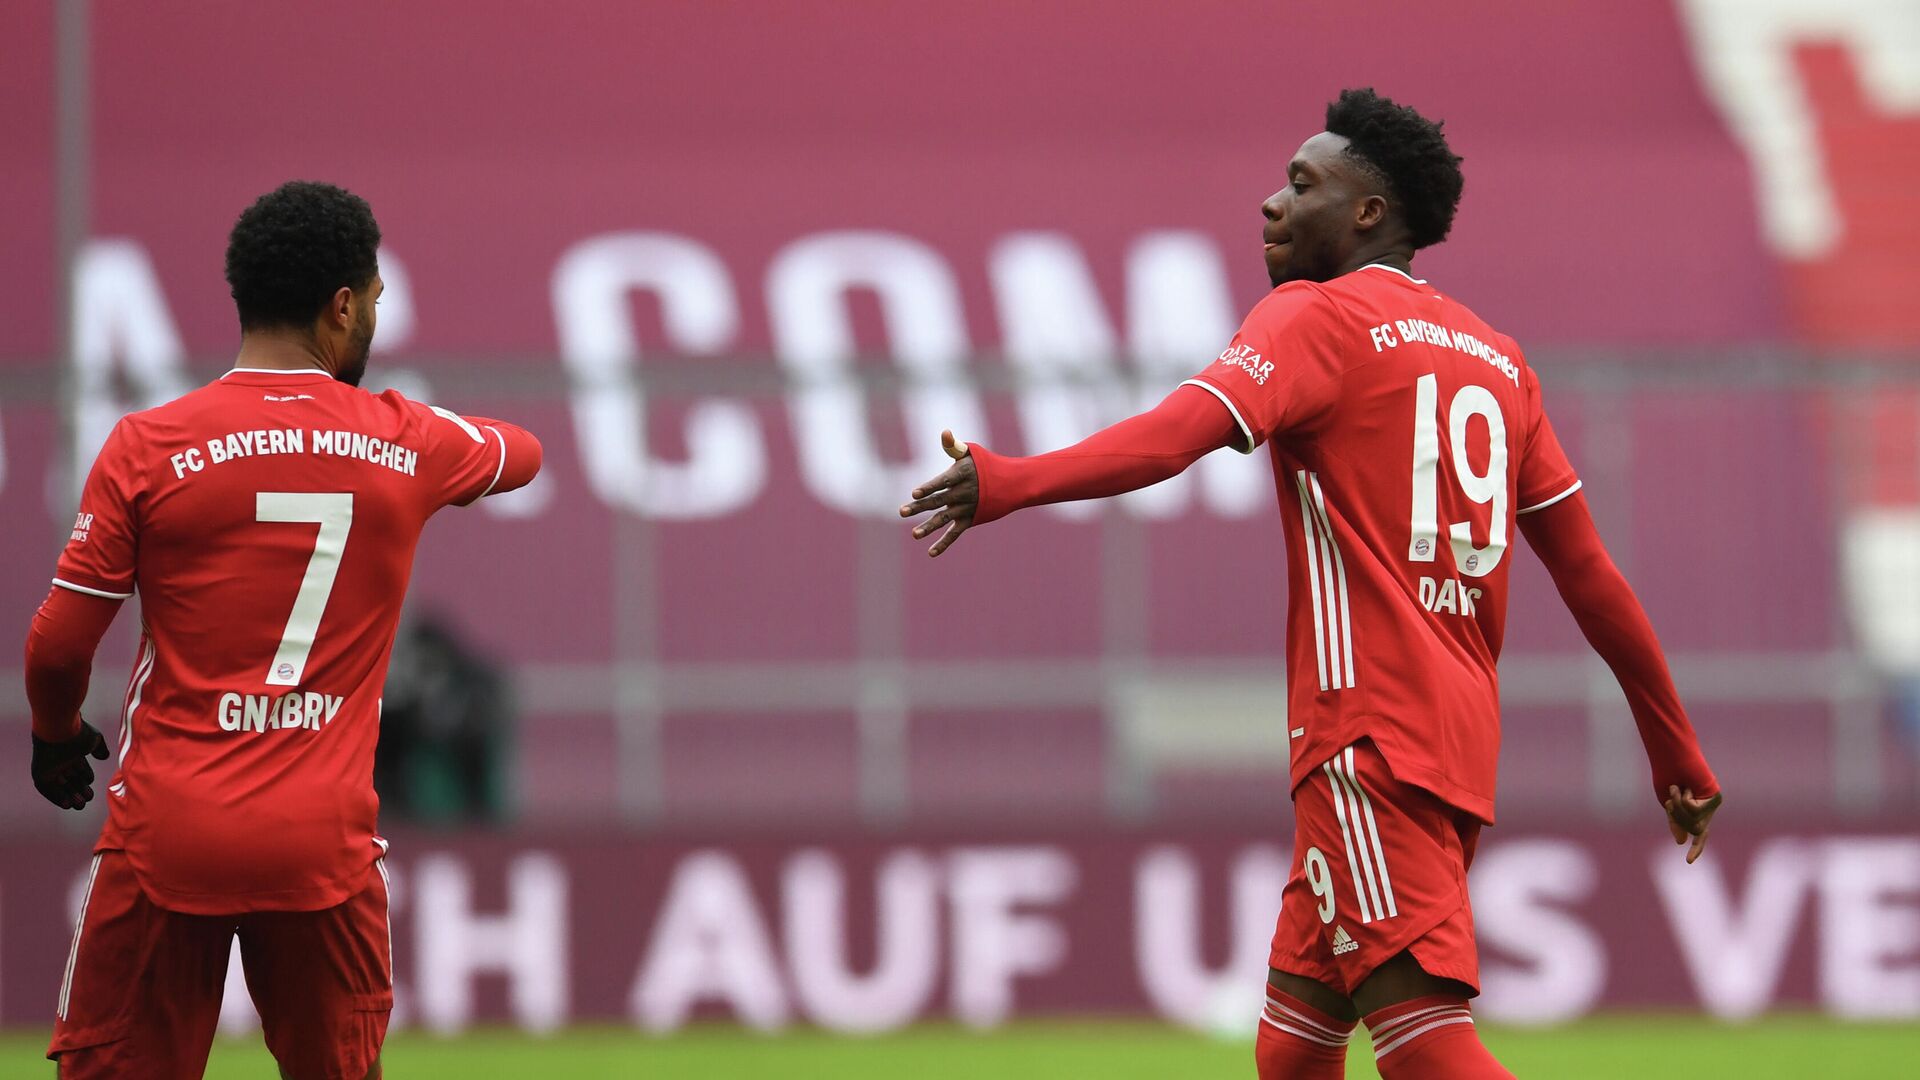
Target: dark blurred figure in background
[(446, 730)]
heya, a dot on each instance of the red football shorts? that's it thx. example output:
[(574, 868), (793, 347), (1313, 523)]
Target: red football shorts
[(1379, 867), (141, 995)]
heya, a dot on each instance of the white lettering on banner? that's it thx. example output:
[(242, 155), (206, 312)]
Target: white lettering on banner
[(119, 311), (907, 947), (1057, 336), (1167, 921), (527, 942), (396, 303), (1057, 333), (1518, 888), (709, 944), (993, 943), (1735, 951), (807, 287), (1745, 51), (1870, 928), (1179, 309), (1011, 914), (726, 464)]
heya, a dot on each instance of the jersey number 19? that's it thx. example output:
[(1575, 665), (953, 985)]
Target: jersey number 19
[(1483, 488)]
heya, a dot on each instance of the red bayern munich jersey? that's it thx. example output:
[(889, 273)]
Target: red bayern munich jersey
[(268, 521), (1406, 434)]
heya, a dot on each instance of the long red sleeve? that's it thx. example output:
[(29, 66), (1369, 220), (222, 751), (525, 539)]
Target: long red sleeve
[(66, 632), (1134, 453), (1610, 616), (520, 461)]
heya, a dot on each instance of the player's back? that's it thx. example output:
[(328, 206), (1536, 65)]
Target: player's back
[(1405, 434), (272, 519)]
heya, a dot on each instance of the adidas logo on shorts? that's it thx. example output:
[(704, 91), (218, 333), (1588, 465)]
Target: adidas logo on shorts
[(1342, 941)]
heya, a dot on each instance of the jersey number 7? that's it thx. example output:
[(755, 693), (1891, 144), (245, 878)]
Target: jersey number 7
[(334, 514)]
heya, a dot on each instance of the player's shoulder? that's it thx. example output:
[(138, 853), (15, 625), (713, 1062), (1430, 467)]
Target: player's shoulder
[(1491, 333), (414, 415), (1294, 301), (176, 418), (432, 425), (1504, 345)]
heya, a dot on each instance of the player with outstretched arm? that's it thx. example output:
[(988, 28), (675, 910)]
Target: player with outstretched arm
[(268, 521), (1408, 442)]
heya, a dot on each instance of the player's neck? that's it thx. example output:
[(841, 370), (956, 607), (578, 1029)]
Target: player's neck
[(1398, 259), (266, 350)]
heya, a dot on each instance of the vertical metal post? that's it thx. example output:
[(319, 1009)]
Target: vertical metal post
[(636, 639), (72, 200), (1125, 610), (72, 205), (884, 705)]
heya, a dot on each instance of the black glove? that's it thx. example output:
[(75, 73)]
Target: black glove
[(61, 770)]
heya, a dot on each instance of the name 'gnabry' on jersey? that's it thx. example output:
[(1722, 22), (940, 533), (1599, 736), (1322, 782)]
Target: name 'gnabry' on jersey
[(1406, 434), (268, 521)]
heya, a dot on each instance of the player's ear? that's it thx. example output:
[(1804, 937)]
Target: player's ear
[(1370, 211), (340, 308)]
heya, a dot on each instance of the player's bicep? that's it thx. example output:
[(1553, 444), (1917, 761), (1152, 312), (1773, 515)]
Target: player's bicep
[(1546, 477), (1242, 437), (1566, 540), (1285, 351), (475, 456), (520, 455), (101, 552)]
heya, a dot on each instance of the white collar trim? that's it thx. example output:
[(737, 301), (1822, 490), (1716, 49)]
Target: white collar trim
[(1397, 270), (278, 371)]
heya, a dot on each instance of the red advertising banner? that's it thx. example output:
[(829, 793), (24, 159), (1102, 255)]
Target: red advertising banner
[(958, 150), (865, 933)]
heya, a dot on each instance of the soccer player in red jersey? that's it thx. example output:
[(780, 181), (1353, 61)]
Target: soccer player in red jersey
[(1408, 441), (268, 521)]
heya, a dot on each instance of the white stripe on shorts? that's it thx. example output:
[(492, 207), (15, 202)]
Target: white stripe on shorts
[(1346, 833), (1371, 833), (73, 951)]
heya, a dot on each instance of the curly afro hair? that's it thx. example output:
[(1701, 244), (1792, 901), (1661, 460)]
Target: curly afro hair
[(294, 248), (1408, 152)]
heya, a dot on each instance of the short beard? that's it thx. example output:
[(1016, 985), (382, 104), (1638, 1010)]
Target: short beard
[(353, 366)]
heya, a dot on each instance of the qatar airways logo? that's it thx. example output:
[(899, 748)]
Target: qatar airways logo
[(82, 527), (1244, 358)]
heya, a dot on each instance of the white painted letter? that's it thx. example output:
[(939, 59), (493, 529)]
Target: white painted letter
[(1735, 953), (1167, 921), (527, 942), (726, 456), (907, 952), (1563, 967), (118, 310), (1869, 941), (709, 942), (992, 943), (920, 304)]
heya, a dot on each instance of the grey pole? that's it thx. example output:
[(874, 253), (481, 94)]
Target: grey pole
[(72, 207)]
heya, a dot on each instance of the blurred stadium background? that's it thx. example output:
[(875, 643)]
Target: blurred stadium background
[(690, 734)]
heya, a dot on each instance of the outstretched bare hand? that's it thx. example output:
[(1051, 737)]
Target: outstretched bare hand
[(954, 495), (1690, 817)]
